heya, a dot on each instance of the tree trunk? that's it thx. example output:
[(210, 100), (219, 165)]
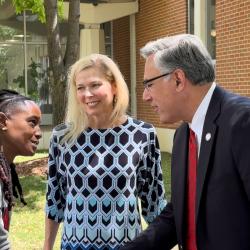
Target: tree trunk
[(73, 39), (59, 65)]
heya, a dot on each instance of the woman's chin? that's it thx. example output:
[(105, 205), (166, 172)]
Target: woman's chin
[(29, 152)]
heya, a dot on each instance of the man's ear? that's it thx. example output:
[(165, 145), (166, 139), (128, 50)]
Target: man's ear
[(3, 119), (180, 80)]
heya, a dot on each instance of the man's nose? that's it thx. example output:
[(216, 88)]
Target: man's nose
[(146, 95)]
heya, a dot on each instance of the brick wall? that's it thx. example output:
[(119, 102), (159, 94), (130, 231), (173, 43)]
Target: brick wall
[(155, 19), (158, 18), (233, 45), (121, 46)]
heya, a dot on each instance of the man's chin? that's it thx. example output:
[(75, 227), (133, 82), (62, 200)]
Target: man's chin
[(163, 119), (166, 120)]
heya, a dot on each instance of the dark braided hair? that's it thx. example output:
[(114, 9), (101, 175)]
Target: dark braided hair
[(10, 100), (5, 177)]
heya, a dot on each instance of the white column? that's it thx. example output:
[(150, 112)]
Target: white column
[(133, 65), (200, 19), (91, 40), (25, 54)]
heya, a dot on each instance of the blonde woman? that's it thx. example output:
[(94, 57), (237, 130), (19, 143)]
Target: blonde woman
[(101, 161)]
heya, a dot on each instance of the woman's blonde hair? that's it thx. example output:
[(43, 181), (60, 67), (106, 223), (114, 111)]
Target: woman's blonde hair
[(75, 115)]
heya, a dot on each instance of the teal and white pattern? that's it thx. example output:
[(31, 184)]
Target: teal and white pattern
[(94, 184)]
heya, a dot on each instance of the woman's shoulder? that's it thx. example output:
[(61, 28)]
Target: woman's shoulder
[(61, 129), (140, 123)]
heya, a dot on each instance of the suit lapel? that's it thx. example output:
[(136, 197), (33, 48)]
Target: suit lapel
[(179, 170), (207, 142)]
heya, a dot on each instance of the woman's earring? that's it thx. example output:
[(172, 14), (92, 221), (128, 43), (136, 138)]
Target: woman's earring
[(4, 129)]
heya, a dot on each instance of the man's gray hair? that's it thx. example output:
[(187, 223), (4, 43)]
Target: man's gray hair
[(185, 52)]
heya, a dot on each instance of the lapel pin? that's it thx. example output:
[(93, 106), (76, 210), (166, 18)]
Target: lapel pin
[(208, 137)]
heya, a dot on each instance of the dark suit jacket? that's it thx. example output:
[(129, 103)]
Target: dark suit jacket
[(223, 183)]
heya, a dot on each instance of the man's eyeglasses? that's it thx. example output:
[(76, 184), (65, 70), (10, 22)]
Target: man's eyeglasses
[(148, 83)]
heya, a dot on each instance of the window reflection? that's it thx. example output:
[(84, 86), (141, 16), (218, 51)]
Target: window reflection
[(211, 31), (12, 58), (107, 27), (191, 16), (202, 14)]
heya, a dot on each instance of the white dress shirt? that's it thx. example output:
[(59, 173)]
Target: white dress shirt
[(199, 117)]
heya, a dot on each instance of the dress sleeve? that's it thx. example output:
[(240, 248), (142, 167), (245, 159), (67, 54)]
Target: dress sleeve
[(4, 242), (56, 184), (149, 179)]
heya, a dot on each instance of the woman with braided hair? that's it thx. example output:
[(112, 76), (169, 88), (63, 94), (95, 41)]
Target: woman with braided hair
[(19, 135)]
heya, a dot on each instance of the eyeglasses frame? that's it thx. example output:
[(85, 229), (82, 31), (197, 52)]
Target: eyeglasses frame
[(145, 82)]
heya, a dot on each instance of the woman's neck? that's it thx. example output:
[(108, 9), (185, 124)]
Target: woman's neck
[(104, 122), (7, 154)]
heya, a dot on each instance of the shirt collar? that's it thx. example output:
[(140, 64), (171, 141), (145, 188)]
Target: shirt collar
[(199, 117)]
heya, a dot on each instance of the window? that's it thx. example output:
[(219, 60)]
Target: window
[(210, 25), (201, 22), (107, 27), (24, 63), (191, 16)]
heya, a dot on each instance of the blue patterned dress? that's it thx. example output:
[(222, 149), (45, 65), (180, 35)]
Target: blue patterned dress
[(94, 184)]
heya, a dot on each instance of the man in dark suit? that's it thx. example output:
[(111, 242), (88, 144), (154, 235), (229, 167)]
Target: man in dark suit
[(209, 208)]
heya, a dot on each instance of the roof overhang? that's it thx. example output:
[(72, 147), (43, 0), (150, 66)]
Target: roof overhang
[(104, 12)]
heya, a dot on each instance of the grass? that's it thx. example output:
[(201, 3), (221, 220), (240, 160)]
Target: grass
[(27, 222), (166, 171), (39, 154)]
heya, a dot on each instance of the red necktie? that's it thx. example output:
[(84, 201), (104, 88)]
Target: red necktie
[(191, 193)]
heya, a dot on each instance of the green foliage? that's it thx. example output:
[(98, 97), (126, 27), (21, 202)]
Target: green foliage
[(6, 32), (35, 6), (35, 75)]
